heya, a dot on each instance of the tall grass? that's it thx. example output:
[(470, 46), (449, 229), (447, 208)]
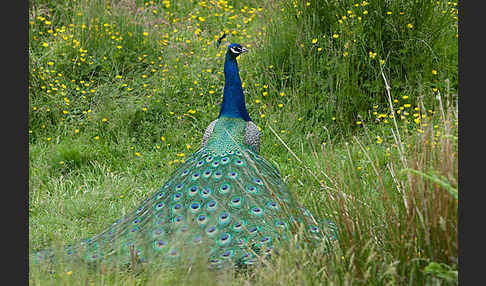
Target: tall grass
[(353, 41), (121, 91)]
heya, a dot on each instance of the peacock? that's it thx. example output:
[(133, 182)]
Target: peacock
[(225, 202)]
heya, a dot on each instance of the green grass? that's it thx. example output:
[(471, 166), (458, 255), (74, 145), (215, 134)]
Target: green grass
[(120, 92)]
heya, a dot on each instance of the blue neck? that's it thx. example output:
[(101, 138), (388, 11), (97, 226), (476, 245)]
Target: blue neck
[(233, 104)]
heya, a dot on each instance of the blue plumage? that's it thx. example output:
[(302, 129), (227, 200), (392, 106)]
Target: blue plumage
[(233, 104)]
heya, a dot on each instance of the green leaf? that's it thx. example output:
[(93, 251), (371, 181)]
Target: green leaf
[(442, 271)]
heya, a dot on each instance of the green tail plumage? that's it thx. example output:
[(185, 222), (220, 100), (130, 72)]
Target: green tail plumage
[(225, 198)]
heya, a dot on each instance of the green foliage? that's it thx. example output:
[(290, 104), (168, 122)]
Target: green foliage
[(333, 52), (442, 271), (120, 93)]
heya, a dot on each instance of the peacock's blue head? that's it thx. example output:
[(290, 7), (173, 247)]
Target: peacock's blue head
[(235, 50)]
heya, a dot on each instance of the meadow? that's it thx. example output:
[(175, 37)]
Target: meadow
[(356, 102)]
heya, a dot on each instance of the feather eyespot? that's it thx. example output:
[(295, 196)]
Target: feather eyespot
[(205, 192), (177, 196), (272, 205), (159, 195), (224, 189), (201, 218), (207, 173), (211, 230), (195, 176), (225, 237), (256, 211), (193, 190), (178, 219), (159, 206), (252, 189), (238, 226), (280, 224), (177, 207), (224, 218), (217, 175), (253, 230), (227, 254), (258, 181), (232, 175), (195, 207), (266, 239), (211, 206)]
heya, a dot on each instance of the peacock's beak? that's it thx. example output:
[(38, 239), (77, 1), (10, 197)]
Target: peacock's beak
[(244, 50)]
